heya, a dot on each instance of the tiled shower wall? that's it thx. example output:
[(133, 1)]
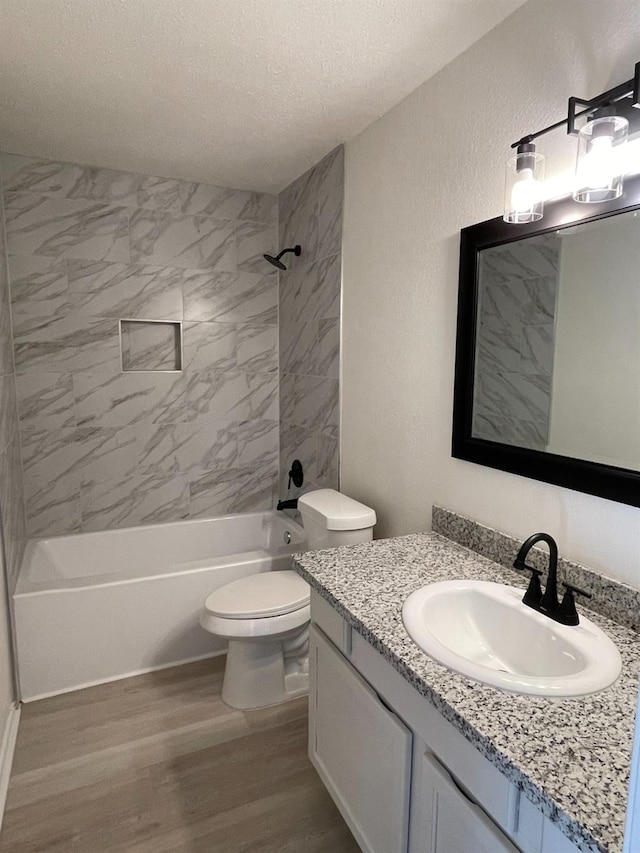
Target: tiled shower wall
[(102, 448), (11, 491), (515, 342), (310, 211)]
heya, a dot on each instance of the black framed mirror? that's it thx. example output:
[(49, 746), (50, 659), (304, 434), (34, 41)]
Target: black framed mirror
[(547, 377)]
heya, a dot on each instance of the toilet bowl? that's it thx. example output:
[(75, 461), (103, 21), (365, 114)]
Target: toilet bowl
[(265, 617)]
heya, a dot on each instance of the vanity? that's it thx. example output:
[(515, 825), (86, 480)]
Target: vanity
[(420, 759)]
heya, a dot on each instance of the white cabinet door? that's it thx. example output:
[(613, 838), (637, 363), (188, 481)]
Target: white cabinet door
[(448, 821), (361, 750)]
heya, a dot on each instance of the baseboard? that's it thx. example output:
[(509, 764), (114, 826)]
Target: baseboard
[(7, 749)]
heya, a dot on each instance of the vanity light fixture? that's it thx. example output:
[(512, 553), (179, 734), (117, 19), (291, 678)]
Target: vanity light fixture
[(600, 167)]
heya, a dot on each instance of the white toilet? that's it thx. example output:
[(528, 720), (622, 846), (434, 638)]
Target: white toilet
[(265, 617)]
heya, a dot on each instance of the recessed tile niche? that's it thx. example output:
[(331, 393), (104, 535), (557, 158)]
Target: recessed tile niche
[(151, 345)]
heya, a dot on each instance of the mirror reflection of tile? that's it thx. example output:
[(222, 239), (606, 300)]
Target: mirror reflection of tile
[(150, 345), (515, 342)]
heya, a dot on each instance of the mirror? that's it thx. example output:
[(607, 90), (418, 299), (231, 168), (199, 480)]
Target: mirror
[(548, 348)]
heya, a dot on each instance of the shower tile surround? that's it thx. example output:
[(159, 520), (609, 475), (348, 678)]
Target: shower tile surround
[(101, 448), (515, 342), (310, 213), (13, 529)]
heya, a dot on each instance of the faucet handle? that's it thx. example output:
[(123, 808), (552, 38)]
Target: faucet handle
[(567, 613)]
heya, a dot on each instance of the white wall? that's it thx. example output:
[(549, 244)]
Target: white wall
[(595, 402), (429, 167)]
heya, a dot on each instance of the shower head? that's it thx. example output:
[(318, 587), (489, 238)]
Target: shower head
[(297, 251)]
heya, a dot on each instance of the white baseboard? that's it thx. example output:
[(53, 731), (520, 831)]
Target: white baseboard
[(7, 748)]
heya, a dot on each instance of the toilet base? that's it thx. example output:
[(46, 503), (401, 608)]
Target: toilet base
[(259, 674)]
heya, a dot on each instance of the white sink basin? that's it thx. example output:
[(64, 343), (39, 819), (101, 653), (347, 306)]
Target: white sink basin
[(484, 631)]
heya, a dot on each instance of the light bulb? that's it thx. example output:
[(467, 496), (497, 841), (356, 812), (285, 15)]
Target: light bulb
[(598, 165), (525, 192)]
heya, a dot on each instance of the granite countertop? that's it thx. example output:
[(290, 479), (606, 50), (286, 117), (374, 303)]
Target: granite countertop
[(570, 756)]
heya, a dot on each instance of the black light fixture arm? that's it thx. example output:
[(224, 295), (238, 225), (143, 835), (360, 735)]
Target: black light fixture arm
[(630, 88)]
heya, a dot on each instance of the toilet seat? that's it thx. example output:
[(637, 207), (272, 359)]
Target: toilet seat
[(261, 596), (271, 627)]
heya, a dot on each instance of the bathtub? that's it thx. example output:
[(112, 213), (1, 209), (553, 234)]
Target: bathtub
[(95, 607)]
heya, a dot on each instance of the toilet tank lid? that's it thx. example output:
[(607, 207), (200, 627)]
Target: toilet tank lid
[(335, 511)]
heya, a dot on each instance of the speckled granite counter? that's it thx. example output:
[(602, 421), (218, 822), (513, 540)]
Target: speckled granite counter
[(570, 756)]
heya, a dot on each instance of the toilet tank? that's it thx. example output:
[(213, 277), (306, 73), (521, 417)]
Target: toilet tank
[(331, 519)]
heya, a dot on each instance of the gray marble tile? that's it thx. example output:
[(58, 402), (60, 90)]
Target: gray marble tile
[(258, 444), (162, 193), (13, 502), (330, 224), (287, 396), (45, 400), (301, 228), (78, 455), (537, 349), (150, 346), (315, 404), (532, 258), (299, 347), (253, 240), (6, 345), (329, 348), (235, 490), (233, 395), (68, 343), (510, 431), (99, 289), (311, 293), (39, 286), (8, 411), (65, 228), (520, 302), (106, 185), (512, 395), (226, 203), (34, 175), (296, 443), (319, 180), (188, 448), (141, 499), (52, 509), (230, 297), (498, 347), (129, 398), (182, 241), (210, 346), (327, 461), (257, 348)]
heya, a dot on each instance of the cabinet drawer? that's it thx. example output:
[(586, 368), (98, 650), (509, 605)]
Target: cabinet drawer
[(332, 624)]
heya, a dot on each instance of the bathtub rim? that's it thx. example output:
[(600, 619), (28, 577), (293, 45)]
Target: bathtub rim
[(26, 587)]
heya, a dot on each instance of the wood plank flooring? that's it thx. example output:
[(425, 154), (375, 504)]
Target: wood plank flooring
[(159, 763)]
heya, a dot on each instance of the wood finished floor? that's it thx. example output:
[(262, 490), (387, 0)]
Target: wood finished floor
[(159, 763)]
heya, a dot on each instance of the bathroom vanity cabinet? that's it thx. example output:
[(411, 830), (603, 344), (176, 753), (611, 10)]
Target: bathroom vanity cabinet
[(404, 779)]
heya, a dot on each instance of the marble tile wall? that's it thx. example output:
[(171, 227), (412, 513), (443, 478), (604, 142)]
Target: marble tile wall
[(310, 212), (12, 513), (102, 448), (515, 344)]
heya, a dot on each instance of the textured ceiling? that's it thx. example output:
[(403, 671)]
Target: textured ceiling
[(245, 93)]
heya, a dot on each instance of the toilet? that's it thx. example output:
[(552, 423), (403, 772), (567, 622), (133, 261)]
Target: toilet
[(265, 617)]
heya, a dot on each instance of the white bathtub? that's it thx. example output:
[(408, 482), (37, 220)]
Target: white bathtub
[(95, 607)]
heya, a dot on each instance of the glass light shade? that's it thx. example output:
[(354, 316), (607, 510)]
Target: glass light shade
[(600, 160), (523, 195)]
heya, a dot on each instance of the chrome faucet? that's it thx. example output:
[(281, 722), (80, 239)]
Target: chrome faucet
[(565, 611)]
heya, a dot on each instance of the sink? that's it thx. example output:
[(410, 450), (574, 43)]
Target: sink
[(484, 631)]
